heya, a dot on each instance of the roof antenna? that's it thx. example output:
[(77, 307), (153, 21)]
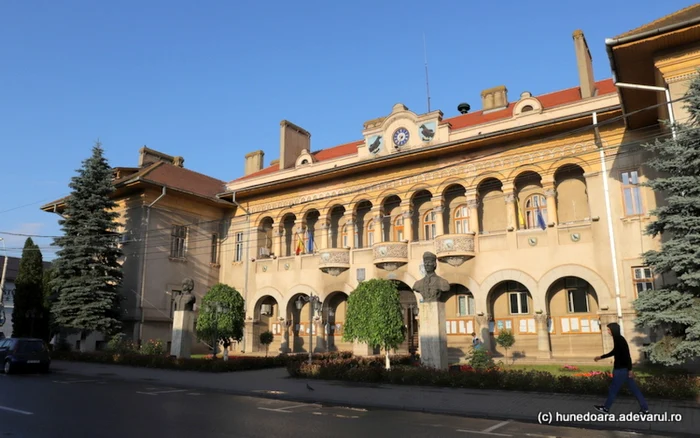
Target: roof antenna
[(427, 85)]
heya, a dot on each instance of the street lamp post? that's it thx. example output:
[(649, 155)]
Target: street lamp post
[(314, 302)]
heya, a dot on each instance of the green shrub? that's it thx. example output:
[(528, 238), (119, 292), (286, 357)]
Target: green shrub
[(266, 339), (481, 359), (370, 370), (153, 347), (506, 340), (120, 344)]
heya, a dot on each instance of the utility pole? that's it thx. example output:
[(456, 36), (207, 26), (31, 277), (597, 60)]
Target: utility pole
[(4, 272)]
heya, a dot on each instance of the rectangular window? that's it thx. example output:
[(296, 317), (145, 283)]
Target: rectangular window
[(238, 254), (214, 249), (577, 300), (178, 242), (642, 278), (465, 305), (631, 193), (518, 303)]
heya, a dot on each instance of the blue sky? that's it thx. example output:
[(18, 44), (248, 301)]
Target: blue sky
[(211, 81)]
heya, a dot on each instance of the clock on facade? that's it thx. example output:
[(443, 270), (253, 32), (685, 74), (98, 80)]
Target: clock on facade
[(400, 137)]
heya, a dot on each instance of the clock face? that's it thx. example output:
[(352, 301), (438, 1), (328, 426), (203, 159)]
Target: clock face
[(400, 137)]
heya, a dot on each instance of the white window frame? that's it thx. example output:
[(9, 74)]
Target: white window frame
[(178, 242), (644, 276), (238, 250), (520, 295), (468, 301)]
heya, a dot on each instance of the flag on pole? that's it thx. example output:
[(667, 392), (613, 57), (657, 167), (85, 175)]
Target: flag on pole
[(521, 219), (540, 219), (300, 244), (309, 242)]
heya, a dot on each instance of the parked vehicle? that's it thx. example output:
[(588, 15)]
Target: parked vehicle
[(24, 353)]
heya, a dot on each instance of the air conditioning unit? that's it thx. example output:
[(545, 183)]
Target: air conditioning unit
[(266, 309)]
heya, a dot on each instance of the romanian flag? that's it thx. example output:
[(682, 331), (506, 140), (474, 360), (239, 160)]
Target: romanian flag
[(300, 245)]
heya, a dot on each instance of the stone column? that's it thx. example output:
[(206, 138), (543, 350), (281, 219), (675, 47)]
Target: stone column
[(183, 331), (433, 335), (551, 196), (325, 227), (482, 321), (252, 336), (407, 221), (543, 346), (473, 206), (511, 212), (439, 210), (377, 219), (350, 229), (278, 236)]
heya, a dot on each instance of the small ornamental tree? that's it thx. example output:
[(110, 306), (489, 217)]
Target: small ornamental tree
[(506, 340), (673, 310), (88, 274), (221, 317), (375, 316), (266, 339)]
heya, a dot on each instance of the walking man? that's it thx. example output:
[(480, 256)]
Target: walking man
[(622, 371)]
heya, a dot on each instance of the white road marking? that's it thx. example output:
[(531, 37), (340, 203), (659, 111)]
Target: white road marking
[(496, 426), (162, 392), (274, 410), (541, 436), (352, 409), (345, 416), (482, 432), (268, 391), (17, 411)]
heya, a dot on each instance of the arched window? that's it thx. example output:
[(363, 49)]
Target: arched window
[(461, 219), (345, 237), (536, 211), (526, 108), (369, 236), (429, 227), (398, 228)]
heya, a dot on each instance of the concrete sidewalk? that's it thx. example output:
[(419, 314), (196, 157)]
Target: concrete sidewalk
[(502, 405)]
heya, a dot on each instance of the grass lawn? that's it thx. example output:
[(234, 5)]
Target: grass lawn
[(557, 369)]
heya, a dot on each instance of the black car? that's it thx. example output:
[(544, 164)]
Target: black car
[(24, 353)]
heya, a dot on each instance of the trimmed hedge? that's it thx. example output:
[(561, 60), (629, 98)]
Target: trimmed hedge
[(235, 363), (372, 370)]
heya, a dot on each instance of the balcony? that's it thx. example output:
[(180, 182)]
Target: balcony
[(334, 261), (390, 255), (455, 249)]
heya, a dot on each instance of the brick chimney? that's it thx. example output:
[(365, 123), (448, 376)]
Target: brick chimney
[(293, 140), (254, 162), (494, 99), (584, 63), (149, 156)]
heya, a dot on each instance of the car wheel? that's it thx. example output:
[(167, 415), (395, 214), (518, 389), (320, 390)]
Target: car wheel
[(8, 367)]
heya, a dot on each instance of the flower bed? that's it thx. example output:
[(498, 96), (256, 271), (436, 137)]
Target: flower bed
[(372, 370), (235, 363)]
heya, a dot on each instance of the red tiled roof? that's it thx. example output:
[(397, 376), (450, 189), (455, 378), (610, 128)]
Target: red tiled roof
[(549, 100), (185, 180)]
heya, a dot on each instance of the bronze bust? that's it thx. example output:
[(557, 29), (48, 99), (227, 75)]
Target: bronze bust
[(186, 300), (432, 285)]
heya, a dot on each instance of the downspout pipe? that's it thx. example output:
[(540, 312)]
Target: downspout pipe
[(611, 231), (247, 263), (143, 262)]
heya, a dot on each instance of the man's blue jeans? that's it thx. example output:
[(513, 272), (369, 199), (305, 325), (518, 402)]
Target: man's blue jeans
[(620, 377)]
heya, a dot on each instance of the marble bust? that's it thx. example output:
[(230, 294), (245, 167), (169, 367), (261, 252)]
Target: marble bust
[(186, 300), (432, 285)]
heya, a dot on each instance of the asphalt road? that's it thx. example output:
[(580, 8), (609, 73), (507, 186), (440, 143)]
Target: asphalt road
[(60, 405)]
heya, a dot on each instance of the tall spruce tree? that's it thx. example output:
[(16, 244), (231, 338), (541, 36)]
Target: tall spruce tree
[(29, 315), (87, 274), (673, 310)]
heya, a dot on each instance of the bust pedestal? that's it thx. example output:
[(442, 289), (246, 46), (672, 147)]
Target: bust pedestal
[(433, 335), (183, 329)]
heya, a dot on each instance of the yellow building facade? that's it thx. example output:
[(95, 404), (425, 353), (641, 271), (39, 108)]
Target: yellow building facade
[(533, 206)]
